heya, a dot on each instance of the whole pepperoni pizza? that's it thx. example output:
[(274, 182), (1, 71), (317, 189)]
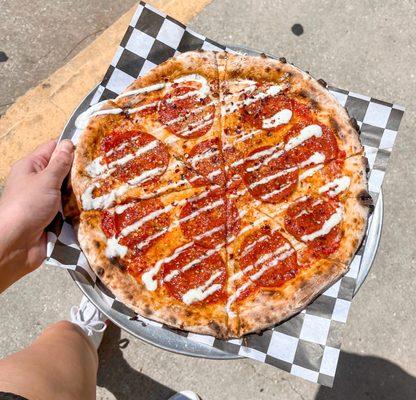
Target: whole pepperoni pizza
[(220, 193)]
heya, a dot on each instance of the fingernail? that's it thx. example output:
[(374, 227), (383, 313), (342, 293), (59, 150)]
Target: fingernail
[(66, 146)]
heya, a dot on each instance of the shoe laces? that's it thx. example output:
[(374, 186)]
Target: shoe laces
[(87, 324)]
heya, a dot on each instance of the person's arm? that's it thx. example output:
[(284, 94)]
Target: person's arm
[(28, 204)]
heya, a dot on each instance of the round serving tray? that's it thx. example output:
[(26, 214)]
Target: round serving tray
[(169, 340)]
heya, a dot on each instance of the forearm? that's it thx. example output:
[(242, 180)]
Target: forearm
[(28, 204), (13, 254)]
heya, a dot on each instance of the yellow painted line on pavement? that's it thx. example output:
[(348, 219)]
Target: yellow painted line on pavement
[(42, 112)]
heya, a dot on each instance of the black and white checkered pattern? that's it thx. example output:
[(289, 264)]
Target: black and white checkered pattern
[(308, 344)]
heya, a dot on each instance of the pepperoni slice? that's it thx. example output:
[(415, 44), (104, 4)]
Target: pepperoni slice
[(203, 219), (140, 223), (306, 217), (195, 268), (184, 112), (267, 176), (205, 158), (255, 113), (326, 145), (267, 258), (132, 156)]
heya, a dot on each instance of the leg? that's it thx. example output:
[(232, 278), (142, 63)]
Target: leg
[(61, 364)]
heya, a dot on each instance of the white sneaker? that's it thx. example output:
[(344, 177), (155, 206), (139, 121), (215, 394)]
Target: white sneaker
[(185, 395), (90, 320)]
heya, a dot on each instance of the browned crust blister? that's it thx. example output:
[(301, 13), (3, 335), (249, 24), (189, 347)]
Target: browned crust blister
[(267, 307)]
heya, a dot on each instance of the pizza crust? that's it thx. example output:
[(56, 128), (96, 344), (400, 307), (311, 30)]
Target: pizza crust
[(268, 306)]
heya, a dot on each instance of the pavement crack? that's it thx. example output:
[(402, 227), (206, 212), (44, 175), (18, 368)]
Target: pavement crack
[(294, 388), (82, 40)]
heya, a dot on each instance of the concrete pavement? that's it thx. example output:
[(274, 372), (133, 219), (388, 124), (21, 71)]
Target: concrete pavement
[(365, 46)]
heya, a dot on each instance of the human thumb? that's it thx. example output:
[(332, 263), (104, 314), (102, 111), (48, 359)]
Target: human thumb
[(60, 163)]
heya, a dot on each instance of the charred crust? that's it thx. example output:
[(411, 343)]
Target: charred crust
[(100, 272), (282, 60), (322, 83), (365, 199), (314, 104), (366, 164), (97, 244), (215, 327), (147, 311), (334, 124), (263, 55), (354, 124), (115, 261)]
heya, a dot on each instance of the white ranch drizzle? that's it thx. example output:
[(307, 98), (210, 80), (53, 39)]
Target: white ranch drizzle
[(207, 154), (264, 258), (193, 263), (269, 178), (251, 246), (315, 158), (280, 118), (247, 136), (333, 221), (147, 89), (137, 224), (170, 228), (276, 191), (214, 173), (338, 185), (95, 168), (253, 278), (309, 172), (141, 108), (106, 200), (305, 134), (114, 248), (83, 119), (270, 91), (197, 110), (231, 238), (203, 291), (147, 277), (197, 126)]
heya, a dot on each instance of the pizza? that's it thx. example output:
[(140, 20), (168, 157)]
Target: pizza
[(220, 193)]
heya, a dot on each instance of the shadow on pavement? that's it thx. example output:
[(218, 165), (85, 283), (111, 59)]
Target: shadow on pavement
[(364, 377), (116, 375)]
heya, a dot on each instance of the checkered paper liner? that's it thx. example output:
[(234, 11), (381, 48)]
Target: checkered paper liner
[(308, 344)]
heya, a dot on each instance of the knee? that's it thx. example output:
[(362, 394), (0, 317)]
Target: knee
[(66, 330)]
